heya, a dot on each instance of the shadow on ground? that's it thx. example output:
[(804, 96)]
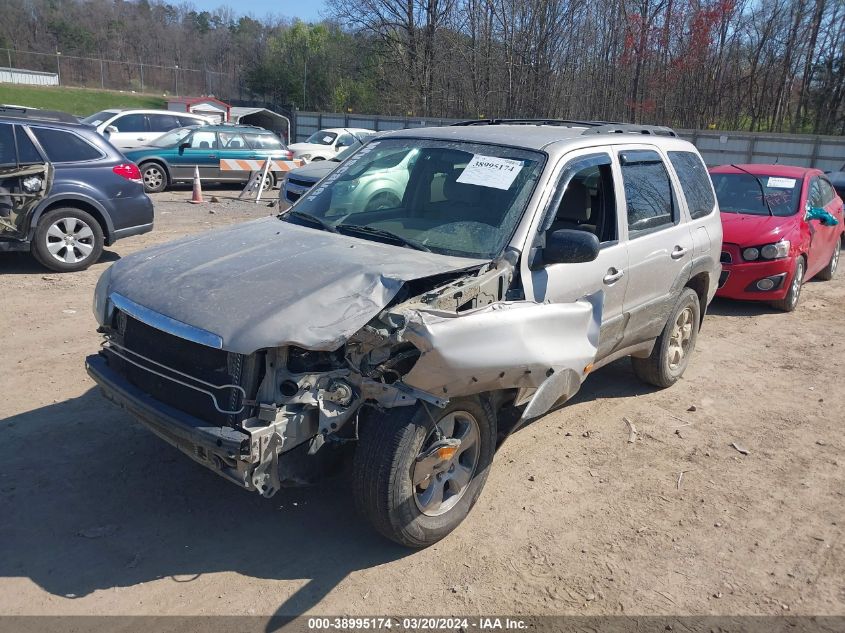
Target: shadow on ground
[(92, 501), (23, 263)]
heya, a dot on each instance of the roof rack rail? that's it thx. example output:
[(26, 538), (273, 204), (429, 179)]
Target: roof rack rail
[(22, 112), (562, 122), (631, 128)]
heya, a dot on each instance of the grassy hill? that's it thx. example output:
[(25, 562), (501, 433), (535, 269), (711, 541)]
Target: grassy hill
[(78, 101)]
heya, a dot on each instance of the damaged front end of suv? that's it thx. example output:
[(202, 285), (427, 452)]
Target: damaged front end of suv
[(401, 331)]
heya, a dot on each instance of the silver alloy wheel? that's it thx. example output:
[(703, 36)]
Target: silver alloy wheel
[(153, 177), (70, 240), (834, 262), (440, 484), (679, 339), (797, 280)]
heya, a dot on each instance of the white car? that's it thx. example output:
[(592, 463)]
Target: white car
[(327, 143), (127, 129)]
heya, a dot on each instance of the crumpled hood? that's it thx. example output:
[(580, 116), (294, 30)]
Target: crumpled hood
[(269, 283), (744, 229)]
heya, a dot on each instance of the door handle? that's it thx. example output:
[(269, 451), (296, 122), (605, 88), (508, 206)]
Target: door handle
[(679, 252), (212, 156), (613, 276)]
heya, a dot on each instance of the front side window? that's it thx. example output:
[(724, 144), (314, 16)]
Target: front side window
[(99, 117), (64, 147), (828, 194), (757, 194), (162, 122), (321, 137), (345, 140), (130, 123), (695, 183), (587, 203), (452, 198), (203, 140), (648, 191)]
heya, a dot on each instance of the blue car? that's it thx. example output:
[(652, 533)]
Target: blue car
[(173, 157), (65, 191)]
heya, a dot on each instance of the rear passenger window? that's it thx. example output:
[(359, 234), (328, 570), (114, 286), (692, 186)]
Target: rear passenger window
[(648, 191), (7, 146), (695, 183), (27, 154), (64, 147)]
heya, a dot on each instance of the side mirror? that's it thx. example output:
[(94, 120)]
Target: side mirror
[(817, 213), (184, 146), (566, 246), (111, 130)]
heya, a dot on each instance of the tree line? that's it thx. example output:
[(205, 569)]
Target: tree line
[(760, 65)]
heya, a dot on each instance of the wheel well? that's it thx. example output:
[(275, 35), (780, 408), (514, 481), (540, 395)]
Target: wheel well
[(82, 206), (701, 285)]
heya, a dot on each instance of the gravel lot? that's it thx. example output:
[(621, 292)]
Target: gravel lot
[(99, 516)]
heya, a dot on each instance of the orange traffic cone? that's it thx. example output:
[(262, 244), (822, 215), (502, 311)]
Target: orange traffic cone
[(196, 196)]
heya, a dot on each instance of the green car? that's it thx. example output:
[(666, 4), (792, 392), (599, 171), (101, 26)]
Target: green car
[(172, 158)]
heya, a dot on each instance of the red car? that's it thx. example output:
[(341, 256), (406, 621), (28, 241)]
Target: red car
[(772, 240)]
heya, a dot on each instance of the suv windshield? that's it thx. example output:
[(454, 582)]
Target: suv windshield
[(172, 137), (322, 138), (99, 117), (741, 193), (452, 198)]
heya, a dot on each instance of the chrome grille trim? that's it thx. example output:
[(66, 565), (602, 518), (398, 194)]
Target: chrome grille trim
[(165, 323), (121, 351)]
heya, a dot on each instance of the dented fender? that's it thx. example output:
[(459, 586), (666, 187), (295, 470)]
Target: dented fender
[(522, 344)]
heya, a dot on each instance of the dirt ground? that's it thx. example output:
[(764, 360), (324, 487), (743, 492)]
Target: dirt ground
[(98, 516)]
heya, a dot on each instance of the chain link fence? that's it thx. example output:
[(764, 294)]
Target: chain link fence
[(108, 74)]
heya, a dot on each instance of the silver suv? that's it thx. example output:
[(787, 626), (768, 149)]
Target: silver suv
[(517, 258)]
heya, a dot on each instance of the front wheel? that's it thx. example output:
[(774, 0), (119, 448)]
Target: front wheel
[(827, 273), (790, 301), (673, 348), (416, 479)]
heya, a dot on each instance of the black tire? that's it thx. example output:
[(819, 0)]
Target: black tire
[(269, 182), (827, 273), (659, 369), (387, 451), (154, 176), (53, 252), (790, 301)]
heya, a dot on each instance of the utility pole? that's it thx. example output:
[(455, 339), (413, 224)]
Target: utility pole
[(142, 75), (58, 67), (176, 79), (102, 75)]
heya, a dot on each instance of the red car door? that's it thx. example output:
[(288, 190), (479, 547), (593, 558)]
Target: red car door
[(822, 237)]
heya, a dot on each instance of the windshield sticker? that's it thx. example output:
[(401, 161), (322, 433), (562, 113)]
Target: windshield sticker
[(327, 139), (781, 183), (490, 171)]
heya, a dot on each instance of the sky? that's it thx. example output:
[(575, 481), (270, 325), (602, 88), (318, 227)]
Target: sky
[(306, 10)]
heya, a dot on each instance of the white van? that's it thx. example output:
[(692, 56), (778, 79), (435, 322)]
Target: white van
[(135, 128)]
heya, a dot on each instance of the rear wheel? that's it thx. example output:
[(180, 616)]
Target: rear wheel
[(790, 301), (416, 480), (827, 273), (673, 348), (67, 240), (154, 177)]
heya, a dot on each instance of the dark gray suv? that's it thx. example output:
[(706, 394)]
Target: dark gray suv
[(65, 191)]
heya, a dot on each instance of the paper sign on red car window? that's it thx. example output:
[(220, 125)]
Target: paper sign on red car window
[(490, 171), (781, 183)]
